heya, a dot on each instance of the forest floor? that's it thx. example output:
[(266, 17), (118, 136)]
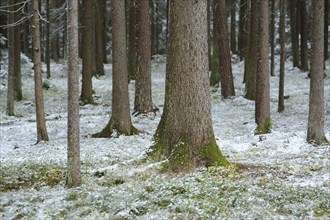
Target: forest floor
[(272, 176)]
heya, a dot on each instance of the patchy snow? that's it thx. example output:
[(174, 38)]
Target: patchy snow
[(281, 176)]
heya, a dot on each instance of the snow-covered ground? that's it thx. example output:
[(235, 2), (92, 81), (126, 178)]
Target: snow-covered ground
[(281, 176)]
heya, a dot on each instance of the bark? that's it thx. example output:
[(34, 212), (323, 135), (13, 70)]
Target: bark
[(315, 130), (132, 40), (294, 33), (92, 29), (242, 28), (272, 38), (73, 178), (281, 106), (42, 134), (233, 27), (143, 98), (99, 44), (262, 104), (86, 96), (48, 39), (326, 29), (215, 71), (184, 134), (209, 42), (26, 40), (303, 35), (250, 63), (121, 118), (17, 55), (227, 80)]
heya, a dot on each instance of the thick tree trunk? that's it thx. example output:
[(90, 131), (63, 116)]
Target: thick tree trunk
[(42, 134), (281, 106), (185, 134), (326, 27), (272, 39), (303, 35), (315, 130), (143, 98), (209, 42), (262, 104), (250, 63), (48, 39), (86, 96), (74, 174), (242, 28), (121, 118), (294, 33), (227, 80), (215, 71)]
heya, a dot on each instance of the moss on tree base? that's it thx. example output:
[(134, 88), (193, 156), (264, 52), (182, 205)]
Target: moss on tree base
[(108, 130), (184, 157), (265, 128)]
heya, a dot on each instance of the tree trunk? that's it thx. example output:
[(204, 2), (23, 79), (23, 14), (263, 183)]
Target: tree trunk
[(294, 33), (121, 118), (17, 54), (242, 28), (272, 38), (215, 71), (92, 29), (143, 98), (131, 40), (315, 130), (281, 106), (209, 42), (73, 178), (303, 35), (227, 80), (42, 134), (262, 104), (250, 63), (86, 96), (326, 27), (48, 39), (233, 27), (185, 134), (99, 38)]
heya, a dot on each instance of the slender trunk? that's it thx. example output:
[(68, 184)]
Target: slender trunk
[(272, 38), (242, 28), (42, 134), (233, 27), (281, 106), (303, 35), (74, 174), (48, 40), (132, 40), (17, 55), (294, 33), (99, 38), (215, 71)]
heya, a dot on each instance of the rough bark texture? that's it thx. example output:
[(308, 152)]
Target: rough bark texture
[(215, 71), (209, 42), (86, 96), (294, 33), (42, 134), (227, 80), (272, 38), (184, 134), (262, 104), (315, 130), (143, 98), (121, 118), (48, 39), (73, 177), (281, 106), (242, 29), (131, 40), (303, 35), (250, 63), (326, 27), (233, 27)]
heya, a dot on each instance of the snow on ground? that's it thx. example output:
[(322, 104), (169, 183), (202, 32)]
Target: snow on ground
[(278, 176)]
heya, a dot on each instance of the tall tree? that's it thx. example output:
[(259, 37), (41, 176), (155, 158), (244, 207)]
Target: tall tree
[(184, 134), (143, 98), (250, 63), (215, 71), (262, 103), (272, 38), (99, 44), (326, 29), (303, 35), (242, 28), (281, 106), (48, 39), (121, 118), (42, 134), (86, 96), (315, 130), (233, 26), (227, 79), (74, 173), (294, 33), (131, 39)]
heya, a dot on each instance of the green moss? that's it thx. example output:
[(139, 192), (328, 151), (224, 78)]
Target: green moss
[(212, 154), (265, 128), (156, 151)]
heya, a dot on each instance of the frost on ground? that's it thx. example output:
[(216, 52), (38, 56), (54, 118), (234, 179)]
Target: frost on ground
[(273, 176)]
